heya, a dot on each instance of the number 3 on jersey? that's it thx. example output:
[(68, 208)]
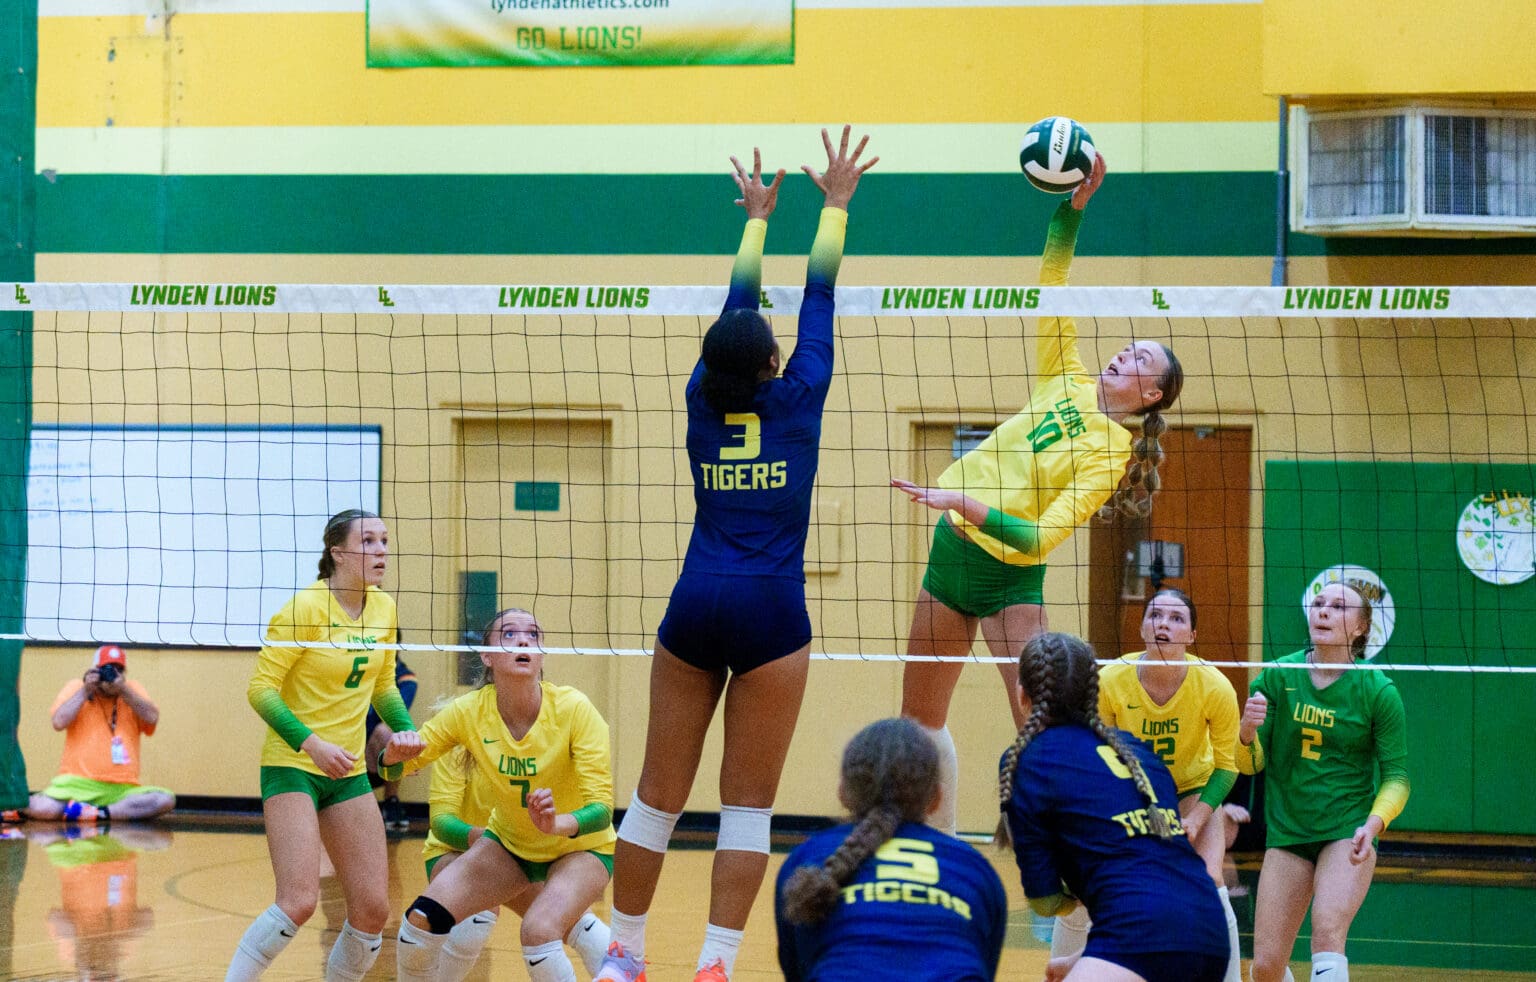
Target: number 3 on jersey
[(751, 437)]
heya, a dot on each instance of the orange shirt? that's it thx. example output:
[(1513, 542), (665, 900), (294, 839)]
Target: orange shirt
[(88, 740)]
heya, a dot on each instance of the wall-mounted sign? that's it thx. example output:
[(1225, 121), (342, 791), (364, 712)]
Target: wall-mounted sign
[(1383, 610), (1494, 537)]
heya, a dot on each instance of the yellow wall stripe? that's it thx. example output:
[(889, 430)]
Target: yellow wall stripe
[(968, 65), (961, 148)]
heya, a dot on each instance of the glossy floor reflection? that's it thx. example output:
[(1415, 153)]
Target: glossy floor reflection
[(169, 902)]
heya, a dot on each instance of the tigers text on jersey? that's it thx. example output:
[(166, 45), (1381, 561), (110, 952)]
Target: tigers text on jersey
[(924, 894), (1077, 818), (566, 750), (1194, 732), (1057, 460), (327, 688)]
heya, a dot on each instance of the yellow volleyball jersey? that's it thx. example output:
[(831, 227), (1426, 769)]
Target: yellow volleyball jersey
[(329, 689), (1194, 733), (462, 790), (1058, 459), (566, 751)]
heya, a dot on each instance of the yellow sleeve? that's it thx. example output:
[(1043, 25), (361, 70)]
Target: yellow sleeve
[(590, 756), (450, 781), (441, 734), (1222, 717), (265, 691), (1056, 337), (1096, 476), (1390, 800)]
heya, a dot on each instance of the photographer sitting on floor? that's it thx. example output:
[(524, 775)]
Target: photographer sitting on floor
[(103, 716)]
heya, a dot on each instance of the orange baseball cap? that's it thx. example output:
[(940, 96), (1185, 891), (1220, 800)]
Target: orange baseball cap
[(111, 654)]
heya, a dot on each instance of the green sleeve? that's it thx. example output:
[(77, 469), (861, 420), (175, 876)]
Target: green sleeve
[(391, 709), (452, 830), (1390, 729), (269, 705), (1218, 787), (594, 816), (1060, 244), (1012, 531)]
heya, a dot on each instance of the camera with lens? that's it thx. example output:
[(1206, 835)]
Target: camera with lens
[(108, 673)]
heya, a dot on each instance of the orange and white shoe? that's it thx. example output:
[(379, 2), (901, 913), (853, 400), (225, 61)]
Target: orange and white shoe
[(620, 966), (713, 972)]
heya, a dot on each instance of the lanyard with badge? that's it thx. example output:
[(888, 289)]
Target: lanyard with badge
[(119, 748)]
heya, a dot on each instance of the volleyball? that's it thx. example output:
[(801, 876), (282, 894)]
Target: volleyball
[(1057, 154)]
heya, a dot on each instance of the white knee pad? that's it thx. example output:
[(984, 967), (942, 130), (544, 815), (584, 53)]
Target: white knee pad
[(646, 827), (416, 953), (262, 942), (353, 955), (744, 829), (462, 949), (1069, 935)]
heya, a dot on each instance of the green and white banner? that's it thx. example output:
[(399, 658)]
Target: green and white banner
[(422, 33)]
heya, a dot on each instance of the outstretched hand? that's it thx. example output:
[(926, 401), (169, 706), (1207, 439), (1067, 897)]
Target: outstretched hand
[(841, 178), (757, 198), (938, 499), (1090, 184)]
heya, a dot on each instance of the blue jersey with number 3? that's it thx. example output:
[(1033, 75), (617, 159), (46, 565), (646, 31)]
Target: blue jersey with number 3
[(753, 472), (926, 905), (1077, 819)]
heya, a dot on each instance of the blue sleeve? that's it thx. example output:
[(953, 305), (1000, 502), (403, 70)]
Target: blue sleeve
[(747, 272), (789, 954), (811, 364), (1038, 873)]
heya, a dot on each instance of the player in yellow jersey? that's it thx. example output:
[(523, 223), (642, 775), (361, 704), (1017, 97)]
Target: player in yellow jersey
[(1023, 491), (314, 787), (1186, 711), (547, 843), (461, 798)]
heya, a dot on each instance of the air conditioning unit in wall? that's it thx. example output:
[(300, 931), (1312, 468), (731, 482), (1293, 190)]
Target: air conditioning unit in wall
[(1420, 170)]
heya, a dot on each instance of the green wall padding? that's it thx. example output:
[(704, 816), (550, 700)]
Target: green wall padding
[(1465, 731)]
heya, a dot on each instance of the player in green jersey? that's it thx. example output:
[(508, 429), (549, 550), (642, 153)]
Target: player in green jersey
[(1022, 492), (1320, 732)]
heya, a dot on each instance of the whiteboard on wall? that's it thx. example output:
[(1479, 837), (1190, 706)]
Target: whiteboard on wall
[(182, 534)]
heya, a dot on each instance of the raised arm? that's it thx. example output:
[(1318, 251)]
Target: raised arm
[(812, 360), (1056, 337), (759, 200)]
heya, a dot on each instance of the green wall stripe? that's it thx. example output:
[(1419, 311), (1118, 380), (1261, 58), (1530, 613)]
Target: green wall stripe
[(1224, 214)]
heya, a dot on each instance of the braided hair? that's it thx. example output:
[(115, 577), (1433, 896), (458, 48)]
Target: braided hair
[(890, 775), (1142, 480), (335, 534), (736, 349), (1061, 678)]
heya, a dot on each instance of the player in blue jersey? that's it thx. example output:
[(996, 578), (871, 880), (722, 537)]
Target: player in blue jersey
[(737, 623), (849, 896), (1093, 816)]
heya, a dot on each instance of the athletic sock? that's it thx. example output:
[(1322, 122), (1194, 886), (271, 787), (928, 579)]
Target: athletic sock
[(352, 955), (416, 953), (1329, 966), (463, 947), (720, 943), (548, 963), (1069, 933), (629, 931), (1235, 944), (263, 941), (590, 938), (944, 817)]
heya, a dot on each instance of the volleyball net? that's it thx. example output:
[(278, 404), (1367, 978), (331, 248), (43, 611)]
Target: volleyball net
[(525, 445)]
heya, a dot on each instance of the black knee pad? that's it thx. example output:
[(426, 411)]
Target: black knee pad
[(439, 921)]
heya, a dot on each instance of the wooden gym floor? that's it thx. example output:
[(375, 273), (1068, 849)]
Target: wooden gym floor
[(168, 902)]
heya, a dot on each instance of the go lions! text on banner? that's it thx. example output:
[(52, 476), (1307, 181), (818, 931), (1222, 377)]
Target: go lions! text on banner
[(422, 33)]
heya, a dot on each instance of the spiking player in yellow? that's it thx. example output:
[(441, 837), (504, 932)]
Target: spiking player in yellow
[(1186, 711), (549, 837), (461, 799), (313, 783), (1022, 492)]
